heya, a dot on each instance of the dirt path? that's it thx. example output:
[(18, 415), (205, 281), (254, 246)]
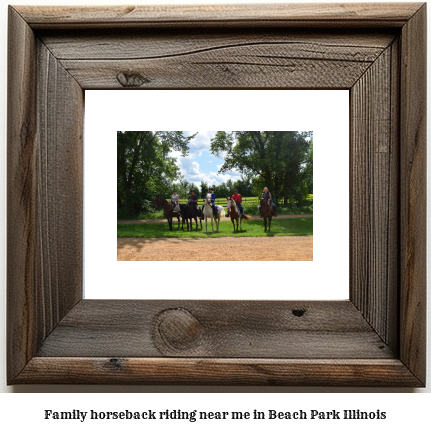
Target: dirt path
[(154, 221), (289, 248)]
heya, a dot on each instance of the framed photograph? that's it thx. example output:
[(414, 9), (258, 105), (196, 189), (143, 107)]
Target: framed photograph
[(142, 249), (375, 338)]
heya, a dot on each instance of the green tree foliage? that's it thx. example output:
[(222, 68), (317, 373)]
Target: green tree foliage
[(182, 187), (222, 191), (309, 169), (204, 189), (244, 186), (144, 168), (196, 188), (258, 183), (278, 160)]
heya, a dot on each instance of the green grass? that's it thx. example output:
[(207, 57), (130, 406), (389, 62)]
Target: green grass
[(279, 227), (245, 200), (250, 207)]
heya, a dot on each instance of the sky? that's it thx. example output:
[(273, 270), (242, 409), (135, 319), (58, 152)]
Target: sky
[(200, 164)]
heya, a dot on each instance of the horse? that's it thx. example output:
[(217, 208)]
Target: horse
[(267, 210), (188, 212), (208, 212), (235, 214), (168, 209)]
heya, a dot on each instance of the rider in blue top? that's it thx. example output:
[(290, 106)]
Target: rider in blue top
[(267, 194), (213, 201)]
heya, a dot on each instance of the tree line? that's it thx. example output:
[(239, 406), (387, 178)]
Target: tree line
[(244, 186), (281, 161)]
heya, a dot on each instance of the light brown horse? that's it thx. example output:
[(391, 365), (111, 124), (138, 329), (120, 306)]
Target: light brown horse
[(235, 214), (168, 209), (267, 210)]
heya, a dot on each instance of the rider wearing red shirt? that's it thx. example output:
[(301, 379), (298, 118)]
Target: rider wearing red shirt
[(237, 198)]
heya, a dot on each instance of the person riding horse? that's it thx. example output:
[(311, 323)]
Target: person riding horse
[(237, 198), (193, 199), (212, 202), (266, 194), (174, 198)]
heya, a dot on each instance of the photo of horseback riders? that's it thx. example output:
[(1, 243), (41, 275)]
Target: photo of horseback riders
[(253, 190)]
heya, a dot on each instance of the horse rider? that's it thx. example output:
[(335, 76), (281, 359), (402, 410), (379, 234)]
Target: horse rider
[(213, 201), (174, 198), (193, 198), (267, 194), (238, 199)]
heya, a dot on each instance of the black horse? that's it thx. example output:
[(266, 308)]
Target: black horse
[(190, 213)]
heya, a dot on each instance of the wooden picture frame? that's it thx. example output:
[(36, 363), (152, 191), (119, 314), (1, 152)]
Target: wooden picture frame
[(376, 338)]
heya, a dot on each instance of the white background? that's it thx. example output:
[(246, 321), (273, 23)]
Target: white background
[(324, 112), (25, 411)]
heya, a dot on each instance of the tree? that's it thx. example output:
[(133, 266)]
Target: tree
[(183, 187), (196, 188), (292, 165), (244, 186), (230, 185), (144, 165), (278, 158), (222, 191), (258, 183), (309, 169), (204, 189), (245, 151)]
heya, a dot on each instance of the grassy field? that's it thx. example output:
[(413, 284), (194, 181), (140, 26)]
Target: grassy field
[(255, 228), (250, 207)]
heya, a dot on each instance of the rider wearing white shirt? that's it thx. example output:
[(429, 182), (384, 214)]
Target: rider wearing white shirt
[(174, 198)]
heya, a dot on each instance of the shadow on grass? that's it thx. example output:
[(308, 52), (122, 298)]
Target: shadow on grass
[(253, 229), (211, 233)]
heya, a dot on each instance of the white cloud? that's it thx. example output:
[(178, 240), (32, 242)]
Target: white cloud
[(200, 143), (192, 173), (188, 166), (175, 154), (223, 177), (191, 169)]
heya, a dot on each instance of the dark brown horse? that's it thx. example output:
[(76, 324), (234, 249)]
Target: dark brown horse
[(235, 214), (168, 209), (267, 210), (190, 213)]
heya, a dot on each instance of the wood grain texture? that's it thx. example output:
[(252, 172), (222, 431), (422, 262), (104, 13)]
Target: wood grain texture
[(201, 371), (45, 105), (201, 60), (21, 194), (140, 44), (59, 182), (392, 303), (253, 15), (226, 329), (55, 337), (374, 195), (413, 194)]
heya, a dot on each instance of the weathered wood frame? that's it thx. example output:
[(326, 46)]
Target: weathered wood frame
[(376, 338)]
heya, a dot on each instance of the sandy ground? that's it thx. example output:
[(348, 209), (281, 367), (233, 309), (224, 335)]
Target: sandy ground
[(151, 221), (293, 248)]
